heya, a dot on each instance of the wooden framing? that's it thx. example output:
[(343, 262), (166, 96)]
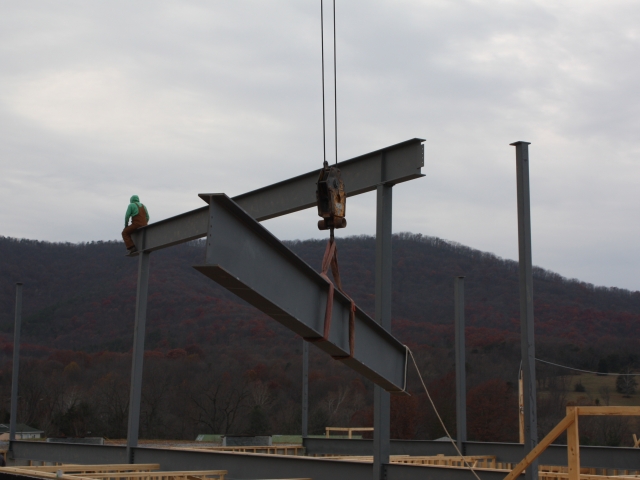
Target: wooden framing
[(570, 424), (270, 450), (288, 450), (115, 472), (188, 474), (349, 430), (562, 476), (586, 473), (476, 461), (41, 474), (140, 467)]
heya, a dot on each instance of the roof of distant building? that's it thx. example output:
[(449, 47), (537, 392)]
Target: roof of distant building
[(20, 428)]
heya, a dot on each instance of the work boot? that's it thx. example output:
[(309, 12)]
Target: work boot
[(131, 251)]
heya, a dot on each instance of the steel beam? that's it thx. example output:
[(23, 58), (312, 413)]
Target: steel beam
[(391, 165), (79, 454), (135, 394), (395, 164), (16, 366), (381, 399), (274, 466), (239, 465), (525, 267), (248, 260), (461, 374)]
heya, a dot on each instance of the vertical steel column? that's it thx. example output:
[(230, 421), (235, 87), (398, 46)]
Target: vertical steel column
[(305, 388), (526, 305), (16, 366), (461, 374), (138, 354), (381, 399)]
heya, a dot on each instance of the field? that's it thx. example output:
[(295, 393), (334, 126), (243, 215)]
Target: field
[(598, 389)]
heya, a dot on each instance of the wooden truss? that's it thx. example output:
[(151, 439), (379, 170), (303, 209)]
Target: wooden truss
[(570, 424)]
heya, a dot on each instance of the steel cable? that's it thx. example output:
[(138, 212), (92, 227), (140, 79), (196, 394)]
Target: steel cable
[(588, 371), (433, 405), (335, 82), (324, 122)]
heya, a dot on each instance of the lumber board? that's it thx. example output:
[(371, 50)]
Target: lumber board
[(157, 474), (607, 410), (41, 474), (588, 476), (274, 449), (544, 443), (573, 447), (95, 468), (349, 429)]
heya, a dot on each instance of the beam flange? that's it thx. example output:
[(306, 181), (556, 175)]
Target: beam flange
[(248, 260), (391, 165), (395, 164)]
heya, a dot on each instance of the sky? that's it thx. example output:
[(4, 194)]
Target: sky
[(102, 100)]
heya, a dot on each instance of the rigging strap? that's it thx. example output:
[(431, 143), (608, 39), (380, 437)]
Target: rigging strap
[(330, 259)]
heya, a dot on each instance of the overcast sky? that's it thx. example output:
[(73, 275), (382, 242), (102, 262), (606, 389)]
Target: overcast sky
[(100, 100)]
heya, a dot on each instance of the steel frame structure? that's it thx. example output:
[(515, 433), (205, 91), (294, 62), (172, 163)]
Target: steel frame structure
[(379, 170)]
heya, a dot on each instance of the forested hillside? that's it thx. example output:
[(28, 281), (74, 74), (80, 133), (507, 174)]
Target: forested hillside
[(215, 364)]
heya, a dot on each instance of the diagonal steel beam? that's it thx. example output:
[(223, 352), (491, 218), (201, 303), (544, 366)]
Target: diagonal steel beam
[(391, 165), (248, 260)]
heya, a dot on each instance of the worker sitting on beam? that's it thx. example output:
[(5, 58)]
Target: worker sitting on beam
[(139, 216)]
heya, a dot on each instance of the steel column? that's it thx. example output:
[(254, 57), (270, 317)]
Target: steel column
[(138, 354), (16, 367), (381, 399), (526, 304), (461, 374), (305, 389)]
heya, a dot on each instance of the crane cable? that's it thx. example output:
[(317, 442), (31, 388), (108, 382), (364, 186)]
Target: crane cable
[(335, 85), (324, 122)]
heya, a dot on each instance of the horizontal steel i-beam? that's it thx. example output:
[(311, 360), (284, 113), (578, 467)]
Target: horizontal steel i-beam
[(391, 165), (248, 260)]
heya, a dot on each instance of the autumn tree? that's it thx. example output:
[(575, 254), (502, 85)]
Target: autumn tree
[(626, 384), (492, 412)]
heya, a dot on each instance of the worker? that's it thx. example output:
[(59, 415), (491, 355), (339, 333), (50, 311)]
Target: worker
[(139, 216)]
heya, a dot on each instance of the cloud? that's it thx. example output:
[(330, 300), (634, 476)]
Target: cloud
[(166, 100)]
